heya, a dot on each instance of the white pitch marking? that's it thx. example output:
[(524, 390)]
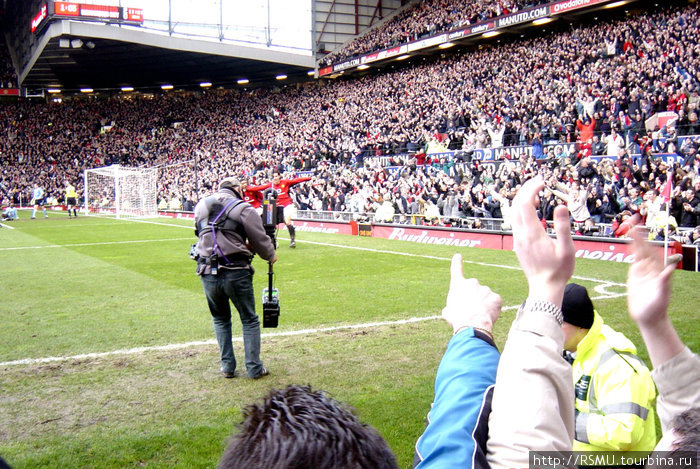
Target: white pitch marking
[(135, 241), (7, 226), (191, 227), (140, 350), (603, 288)]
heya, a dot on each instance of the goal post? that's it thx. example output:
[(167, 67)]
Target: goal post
[(121, 191)]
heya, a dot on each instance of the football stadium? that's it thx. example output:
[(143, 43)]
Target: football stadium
[(229, 231)]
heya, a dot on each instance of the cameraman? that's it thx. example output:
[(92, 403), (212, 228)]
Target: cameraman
[(230, 232)]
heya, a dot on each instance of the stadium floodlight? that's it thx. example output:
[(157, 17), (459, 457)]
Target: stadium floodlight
[(167, 87), (541, 21), (53, 90), (205, 84), (446, 45), (363, 67), (281, 77), (311, 73), (86, 90), (120, 191), (491, 34), (127, 89), (243, 81), (76, 43), (402, 57), (616, 4)]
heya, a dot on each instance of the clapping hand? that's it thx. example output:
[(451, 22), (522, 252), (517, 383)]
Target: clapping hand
[(648, 282)]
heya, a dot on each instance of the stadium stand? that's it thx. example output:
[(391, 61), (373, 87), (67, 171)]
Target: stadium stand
[(591, 81), (425, 18)]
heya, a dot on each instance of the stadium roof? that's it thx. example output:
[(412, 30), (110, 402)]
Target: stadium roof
[(71, 55), (74, 55)]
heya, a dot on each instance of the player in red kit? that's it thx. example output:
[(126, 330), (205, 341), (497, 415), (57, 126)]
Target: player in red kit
[(253, 197), (285, 204)]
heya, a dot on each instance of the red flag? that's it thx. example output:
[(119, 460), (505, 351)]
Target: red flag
[(666, 190)]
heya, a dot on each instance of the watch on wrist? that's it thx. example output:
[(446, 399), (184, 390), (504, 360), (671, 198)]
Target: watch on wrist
[(545, 307)]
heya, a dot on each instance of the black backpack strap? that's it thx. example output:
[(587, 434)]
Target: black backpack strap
[(214, 225)]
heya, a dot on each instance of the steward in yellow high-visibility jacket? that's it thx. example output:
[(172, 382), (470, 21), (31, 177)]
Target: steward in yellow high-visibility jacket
[(613, 388)]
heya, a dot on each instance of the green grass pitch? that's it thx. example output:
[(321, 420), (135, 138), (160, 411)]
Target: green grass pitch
[(108, 358)]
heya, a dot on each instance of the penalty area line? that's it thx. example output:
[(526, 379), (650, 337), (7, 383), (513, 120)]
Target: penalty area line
[(199, 343)]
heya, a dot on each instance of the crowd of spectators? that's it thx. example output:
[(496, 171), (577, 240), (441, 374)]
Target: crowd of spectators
[(592, 84), (423, 19)]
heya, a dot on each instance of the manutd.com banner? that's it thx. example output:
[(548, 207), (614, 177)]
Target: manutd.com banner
[(522, 17)]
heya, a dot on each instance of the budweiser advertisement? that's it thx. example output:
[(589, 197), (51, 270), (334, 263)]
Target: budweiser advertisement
[(439, 236)]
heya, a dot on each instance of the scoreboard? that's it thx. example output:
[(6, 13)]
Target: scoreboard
[(85, 12)]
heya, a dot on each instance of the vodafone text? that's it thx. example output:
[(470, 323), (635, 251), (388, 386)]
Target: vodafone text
[(606, 256)]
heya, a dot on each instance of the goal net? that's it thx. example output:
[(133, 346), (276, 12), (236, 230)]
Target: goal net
[(121, 191)]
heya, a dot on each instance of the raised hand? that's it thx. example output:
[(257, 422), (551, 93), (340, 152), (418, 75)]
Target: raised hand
[(648, 282), (547, 263), (468, 302), (648, 296)]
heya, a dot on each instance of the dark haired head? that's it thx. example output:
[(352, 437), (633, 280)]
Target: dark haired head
[(298, 428), (686, 427)]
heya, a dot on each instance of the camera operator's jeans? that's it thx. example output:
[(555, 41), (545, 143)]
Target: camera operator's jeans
[(236, 285)]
